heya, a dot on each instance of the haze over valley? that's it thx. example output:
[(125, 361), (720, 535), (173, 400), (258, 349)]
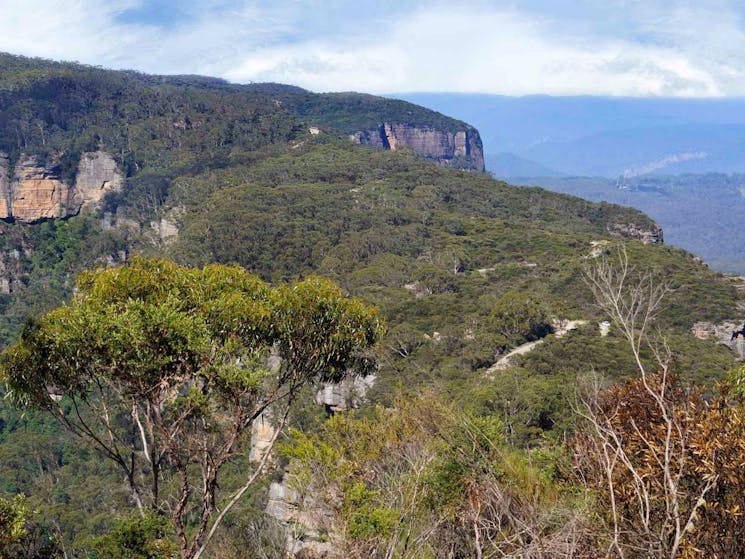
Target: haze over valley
[(681, 161)]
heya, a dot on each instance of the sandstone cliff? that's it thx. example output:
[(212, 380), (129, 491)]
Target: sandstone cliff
[(646, 234), (461, 149), (37, 191), (4, 186), (723, 333), (97, 174)]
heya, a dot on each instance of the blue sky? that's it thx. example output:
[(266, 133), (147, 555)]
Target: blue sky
[(560, 47)]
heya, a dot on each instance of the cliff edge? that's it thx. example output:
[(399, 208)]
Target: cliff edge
[(461, 149), (36, 191)]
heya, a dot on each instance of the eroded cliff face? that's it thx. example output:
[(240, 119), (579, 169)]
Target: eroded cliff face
[(306, 513), (462, 149), (97, 174), (36, 191), (727, 333), (645, 234)]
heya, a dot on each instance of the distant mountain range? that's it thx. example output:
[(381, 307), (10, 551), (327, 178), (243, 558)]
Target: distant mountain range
[(600, 136)]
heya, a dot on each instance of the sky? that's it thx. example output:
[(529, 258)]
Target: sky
[(555, 47)]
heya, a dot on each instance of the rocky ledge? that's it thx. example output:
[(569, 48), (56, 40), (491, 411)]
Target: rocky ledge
[(36, 191), (648, 234), (461, 149)]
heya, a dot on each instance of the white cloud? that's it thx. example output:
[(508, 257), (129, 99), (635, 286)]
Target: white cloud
[(322, 67), (78, 30), (491, 52), (653, 48), (90, 31)]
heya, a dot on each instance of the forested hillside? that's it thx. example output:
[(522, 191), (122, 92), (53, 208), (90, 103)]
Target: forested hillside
[(701, 213), (461, 267)]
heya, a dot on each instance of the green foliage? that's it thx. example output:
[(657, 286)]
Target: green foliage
[(321, 332), (699, 212), (736, 379), (138, 325), (21, 535), (41, 262), (136, 538), (146, 122), (163, 366), (14, 515), (351, 112), (535, 396), (152, 322), (367, 521), (517, 318), (418, 479), (435, 249)]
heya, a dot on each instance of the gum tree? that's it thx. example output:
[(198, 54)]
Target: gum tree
[(164, 369)]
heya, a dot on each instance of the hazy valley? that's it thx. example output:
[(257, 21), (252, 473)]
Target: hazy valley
[(679, 161)]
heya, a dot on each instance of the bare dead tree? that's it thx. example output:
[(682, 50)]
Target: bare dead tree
[(640, 451), (632, 301)]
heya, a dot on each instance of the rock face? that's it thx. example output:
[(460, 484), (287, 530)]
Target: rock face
[(305, 512), (344, 395), (97, 174), (461, 149), (262, 435), (37, 191), (165, 230), (308, 516), (647, 235), (723, 333), (4, 186)]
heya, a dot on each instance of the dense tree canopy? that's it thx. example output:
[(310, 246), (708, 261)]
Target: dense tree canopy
[(165, 368)]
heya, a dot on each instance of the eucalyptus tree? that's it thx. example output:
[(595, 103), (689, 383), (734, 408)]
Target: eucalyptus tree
[(164, 369)]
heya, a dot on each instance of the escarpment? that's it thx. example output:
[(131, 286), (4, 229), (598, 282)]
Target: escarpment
[(97, 175), (461, 149), (35, 191)]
